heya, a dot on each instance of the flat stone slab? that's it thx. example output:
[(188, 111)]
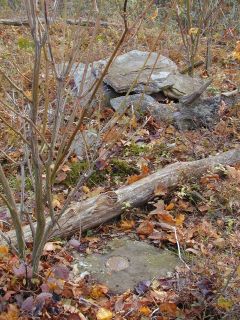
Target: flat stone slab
[(126, 263), (139, 71)]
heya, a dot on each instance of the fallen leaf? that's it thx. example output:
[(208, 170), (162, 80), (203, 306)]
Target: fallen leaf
[(23, 271), (145, 228), (52, 246), (146, 311), (166, 217), (144, 169), (98, 291), (169, 308), (180, 219), (74, 243), (104, 314), (66, 168), (85, 189), (224, 303), (193, 31), (160, 190), (61, 176), (134, 178), (61, 272), (170, 206), (56, 203), (127, 224), (154, 15), (3, 250), (142, 287), (11, 314)]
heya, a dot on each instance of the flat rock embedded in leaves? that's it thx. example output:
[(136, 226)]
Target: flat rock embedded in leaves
[(141, 71), (126, 263)]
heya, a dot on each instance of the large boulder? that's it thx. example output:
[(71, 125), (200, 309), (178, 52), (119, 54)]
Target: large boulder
[(140, 72), (149, 72)]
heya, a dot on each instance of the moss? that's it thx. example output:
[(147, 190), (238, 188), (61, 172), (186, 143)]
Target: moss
[(135, 149), (122, 169), (78, 168), (161, 150), (116, 168), (74, 173)]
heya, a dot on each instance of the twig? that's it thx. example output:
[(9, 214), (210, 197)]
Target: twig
[(28, 120), (8, 157), (179, 249), (9, 242), (18, 133), (14, 85)]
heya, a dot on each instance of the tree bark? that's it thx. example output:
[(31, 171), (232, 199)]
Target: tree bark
[(97, 210), (81, 22)]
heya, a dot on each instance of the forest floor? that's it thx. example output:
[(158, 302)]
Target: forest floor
[(204, 211)]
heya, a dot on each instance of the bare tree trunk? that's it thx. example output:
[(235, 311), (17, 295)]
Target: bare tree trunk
[(99, 209)]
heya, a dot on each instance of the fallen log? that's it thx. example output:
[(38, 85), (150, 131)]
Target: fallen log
[(97, 210), (81, 22)]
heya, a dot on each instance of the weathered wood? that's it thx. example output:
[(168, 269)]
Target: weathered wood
[(97, 210), (81, 22)]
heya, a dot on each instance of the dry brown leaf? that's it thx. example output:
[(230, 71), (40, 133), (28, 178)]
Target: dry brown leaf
[(180, 219), (3, 251), (170, 206), (11, 314), (98, 291), (127, 224), (134, 178), (160, 190), (145, 228), (146, 311), (169, 308), (104, 314), (166, 217)]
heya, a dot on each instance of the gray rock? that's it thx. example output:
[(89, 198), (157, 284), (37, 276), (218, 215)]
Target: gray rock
[(126, 263), (140, 71), (178, 85), (202, 113), (91, 72), (143, 104), (83, 143)]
